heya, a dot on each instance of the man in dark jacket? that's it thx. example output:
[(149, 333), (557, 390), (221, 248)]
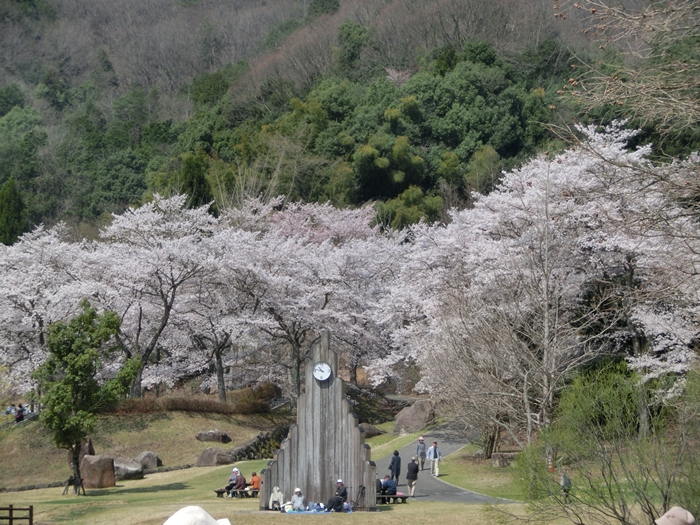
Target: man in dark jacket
[(388, 486), (335, 504), (412, 475)]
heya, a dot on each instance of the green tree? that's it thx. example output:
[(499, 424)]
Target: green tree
[(193, 180), (322, 7), (446, 60), (617, 474), (71, 392), (409, 208), (483, 170), (209, 88), (12, 218), (10, 96), (351, 37), (53, 89)]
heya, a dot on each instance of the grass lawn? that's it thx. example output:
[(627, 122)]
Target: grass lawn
[(463, 470), (152, 500), (29, 457), (385, 444)]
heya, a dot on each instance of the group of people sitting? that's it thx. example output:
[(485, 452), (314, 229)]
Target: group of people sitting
[(238, 483), (338, 503), (18, 412)]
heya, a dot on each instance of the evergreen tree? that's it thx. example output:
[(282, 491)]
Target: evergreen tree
[(71, 392), (193, 180), (12, 219)]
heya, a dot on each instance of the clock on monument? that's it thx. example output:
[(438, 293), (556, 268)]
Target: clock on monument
[(322, 371)]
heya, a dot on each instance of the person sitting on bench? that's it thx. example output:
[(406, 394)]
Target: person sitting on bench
[(254, 483), (389, 486), (240, 485), (231, 481)]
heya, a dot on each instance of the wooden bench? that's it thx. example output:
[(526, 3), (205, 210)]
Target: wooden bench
[(245, 493), (383, 499), (220, 493)]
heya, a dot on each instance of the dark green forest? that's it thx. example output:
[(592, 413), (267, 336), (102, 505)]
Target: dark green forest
[(103, 104)]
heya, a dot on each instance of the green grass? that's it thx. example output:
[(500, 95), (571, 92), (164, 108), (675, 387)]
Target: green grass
[(463, 470), (29, 457), (152, 500), (385, 444)]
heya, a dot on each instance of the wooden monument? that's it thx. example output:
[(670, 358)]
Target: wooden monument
[(325, 445)]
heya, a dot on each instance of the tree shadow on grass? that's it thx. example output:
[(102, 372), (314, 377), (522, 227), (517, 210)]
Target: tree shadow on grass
[(139, 490)]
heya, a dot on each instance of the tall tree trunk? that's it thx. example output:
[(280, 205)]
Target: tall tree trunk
[(491, 437), (353, 372), (220, 383), (77, 482)]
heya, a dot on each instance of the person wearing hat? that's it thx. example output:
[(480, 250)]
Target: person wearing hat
[(231, 482), (421, 452), (335, 504), (676, 516), (298, 501), (412, 475), (241, 483)]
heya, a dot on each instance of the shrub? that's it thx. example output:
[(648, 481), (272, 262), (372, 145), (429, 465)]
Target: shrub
[(243, 403), (267, 391)]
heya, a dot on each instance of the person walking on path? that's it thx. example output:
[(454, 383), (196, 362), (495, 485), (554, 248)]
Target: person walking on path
[(395, 466), (434, 456), (412, 476), (421, 452)]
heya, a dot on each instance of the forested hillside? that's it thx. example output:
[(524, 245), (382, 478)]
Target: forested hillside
[(411, 103)]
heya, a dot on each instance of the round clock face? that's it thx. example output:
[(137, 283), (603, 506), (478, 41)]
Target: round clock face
[(322, 371)]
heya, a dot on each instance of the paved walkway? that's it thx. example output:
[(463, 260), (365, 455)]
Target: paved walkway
[(428, 487)]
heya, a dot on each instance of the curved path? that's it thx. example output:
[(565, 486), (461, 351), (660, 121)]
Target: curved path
[(427, 486)]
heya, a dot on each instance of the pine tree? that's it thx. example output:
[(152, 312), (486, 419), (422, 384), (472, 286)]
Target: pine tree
[(12, 221)]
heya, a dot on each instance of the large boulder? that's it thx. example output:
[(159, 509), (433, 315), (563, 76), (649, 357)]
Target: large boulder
[(194, 516), (148, 460), (97, 472), (214, 435), (370, 430), (414, 418), (212, 457), (125, 468)]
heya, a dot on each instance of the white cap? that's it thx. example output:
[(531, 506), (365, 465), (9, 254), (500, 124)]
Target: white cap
[(339, 481), (236, 470), (297, 489)]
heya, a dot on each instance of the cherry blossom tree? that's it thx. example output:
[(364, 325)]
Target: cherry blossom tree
[(147, 258), (558, 265), (39, 284)]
